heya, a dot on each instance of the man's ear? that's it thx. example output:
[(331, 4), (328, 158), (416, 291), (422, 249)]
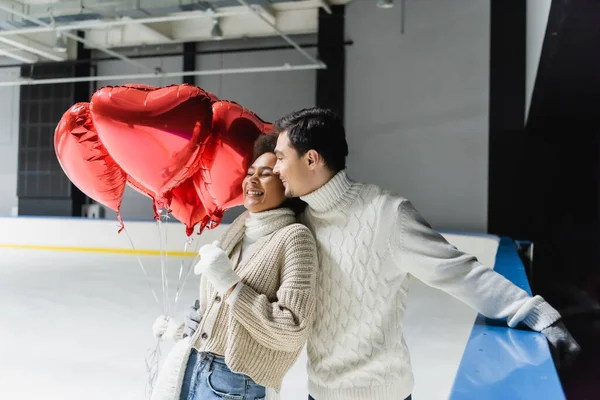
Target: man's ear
[(312, 159)]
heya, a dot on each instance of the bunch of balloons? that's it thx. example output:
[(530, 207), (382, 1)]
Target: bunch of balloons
[(179, 145)]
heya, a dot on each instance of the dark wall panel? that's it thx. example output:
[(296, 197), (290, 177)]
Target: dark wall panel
[(42, 186), (39, 174), (331, 82)]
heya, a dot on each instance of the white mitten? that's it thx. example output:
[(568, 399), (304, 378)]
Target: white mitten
[(216, 267), (160, 327), (166, 328), (174, 331)]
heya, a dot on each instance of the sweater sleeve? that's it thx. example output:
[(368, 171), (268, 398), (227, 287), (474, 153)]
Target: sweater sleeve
[(284, 324), (425, 254)]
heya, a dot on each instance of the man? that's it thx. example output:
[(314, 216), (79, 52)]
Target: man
[(369, 241)]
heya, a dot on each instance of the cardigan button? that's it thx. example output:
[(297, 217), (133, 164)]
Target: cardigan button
[(204, 336), (218, 299)]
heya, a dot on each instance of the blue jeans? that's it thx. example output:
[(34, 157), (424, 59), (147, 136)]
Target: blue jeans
[(207, 377)]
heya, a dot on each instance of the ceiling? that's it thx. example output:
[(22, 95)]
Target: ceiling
[(34, 31)]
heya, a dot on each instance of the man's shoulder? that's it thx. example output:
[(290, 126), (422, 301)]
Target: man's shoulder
[(376, 195)]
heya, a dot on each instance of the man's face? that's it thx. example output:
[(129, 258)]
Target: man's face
[(292, 169)]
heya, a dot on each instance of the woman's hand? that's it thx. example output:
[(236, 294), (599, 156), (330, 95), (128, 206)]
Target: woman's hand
[(165, 328), (192, 319), (160, 327), (216, 267)]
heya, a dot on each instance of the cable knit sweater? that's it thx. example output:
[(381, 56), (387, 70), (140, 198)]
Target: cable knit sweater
[(369, 240), (262, 327)]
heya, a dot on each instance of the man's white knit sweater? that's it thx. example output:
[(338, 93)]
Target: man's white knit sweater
[(369, 240)]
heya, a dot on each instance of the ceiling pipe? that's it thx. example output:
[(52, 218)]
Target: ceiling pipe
[(9, 9), (33, 47), (98, 24), (20, 56), (159, 75)]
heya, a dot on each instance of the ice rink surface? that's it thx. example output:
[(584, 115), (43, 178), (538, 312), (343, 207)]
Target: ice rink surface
[(77, 325)]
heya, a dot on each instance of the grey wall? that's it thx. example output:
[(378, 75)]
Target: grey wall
[(9, 139), (269, 95), (417, 105)]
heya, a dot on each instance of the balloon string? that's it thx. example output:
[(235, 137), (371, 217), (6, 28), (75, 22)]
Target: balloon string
[(143, 269), (185, 246), (152, 361), (153, 358), (187, 275), (162, 269), (166, 248), (189, 269)]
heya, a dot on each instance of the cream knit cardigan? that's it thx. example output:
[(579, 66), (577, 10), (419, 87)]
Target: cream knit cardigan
[(262, 333)]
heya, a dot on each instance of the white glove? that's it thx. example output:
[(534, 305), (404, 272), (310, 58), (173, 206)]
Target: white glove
[(160, 327), (216, 267), (165, 328), (174, 331)]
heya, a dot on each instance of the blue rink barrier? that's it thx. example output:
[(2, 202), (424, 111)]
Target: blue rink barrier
[(502, 363)]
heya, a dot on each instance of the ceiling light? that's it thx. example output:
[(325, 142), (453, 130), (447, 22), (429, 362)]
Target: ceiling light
[(60, 45), (385, 3), (216, 32)]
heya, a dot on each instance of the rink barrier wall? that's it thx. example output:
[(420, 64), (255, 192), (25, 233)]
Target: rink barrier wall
[(99, 236), (501, 363)]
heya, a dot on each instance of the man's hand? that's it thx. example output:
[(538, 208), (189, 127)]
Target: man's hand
[(216, 267), (192, 319), (563, 346)]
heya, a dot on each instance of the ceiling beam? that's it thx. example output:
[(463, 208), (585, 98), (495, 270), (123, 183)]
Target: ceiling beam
[(22, 81), (154, 34), (20, 55), (6, 6), (110, 23), (267, 13), (33, 47), (242, 25), (257, 11)]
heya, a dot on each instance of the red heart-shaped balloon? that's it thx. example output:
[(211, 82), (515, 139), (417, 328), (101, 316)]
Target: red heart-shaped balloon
[(85, 160), (155, 135), (226, 159), (185, 205)]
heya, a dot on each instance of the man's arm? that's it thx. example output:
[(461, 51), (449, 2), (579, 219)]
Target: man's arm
[(425, 254)]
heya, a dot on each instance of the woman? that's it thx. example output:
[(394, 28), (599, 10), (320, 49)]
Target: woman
[(257, 299)]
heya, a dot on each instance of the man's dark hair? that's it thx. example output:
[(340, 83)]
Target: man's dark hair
[(266, 144), (318, 129)]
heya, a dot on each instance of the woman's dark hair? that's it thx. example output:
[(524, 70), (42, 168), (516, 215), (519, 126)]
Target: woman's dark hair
[(266, 144)]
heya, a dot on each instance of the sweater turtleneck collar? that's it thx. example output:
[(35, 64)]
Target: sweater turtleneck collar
[(266, 222), (336, 194)]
